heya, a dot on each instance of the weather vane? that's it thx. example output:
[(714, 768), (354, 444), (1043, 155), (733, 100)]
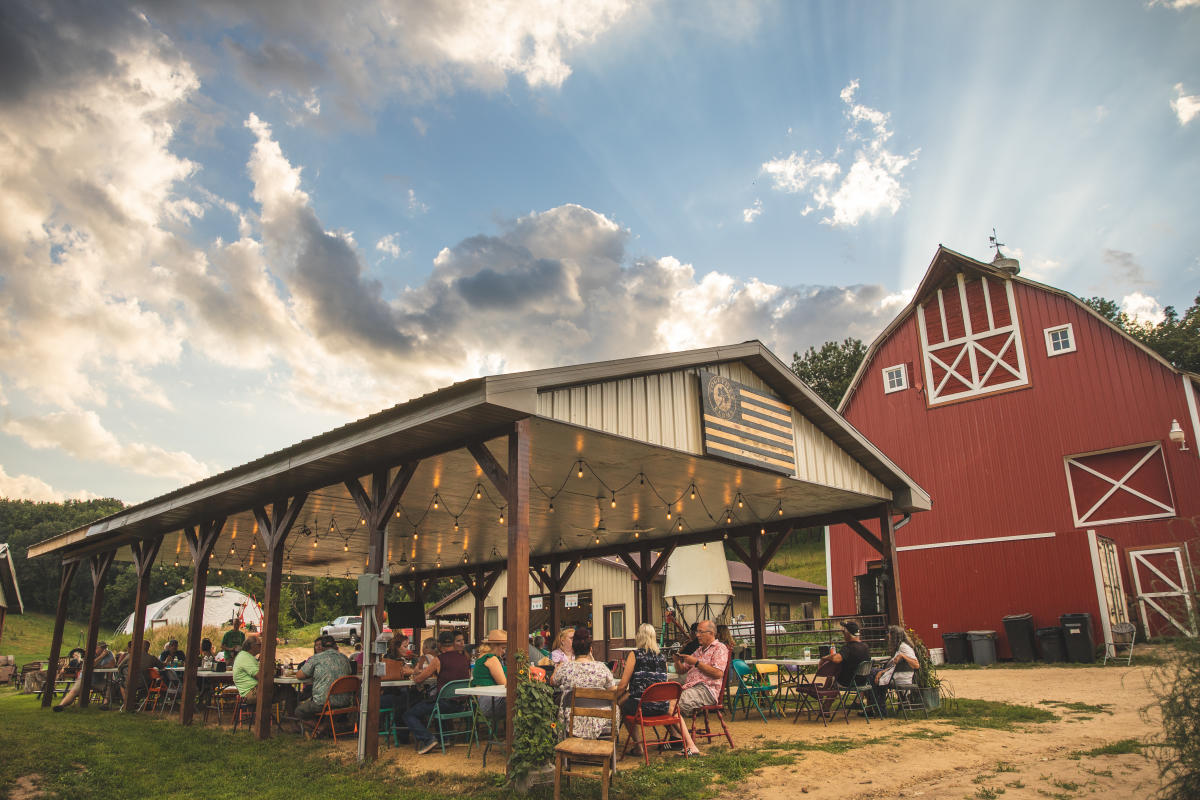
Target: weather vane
[(995, 242)]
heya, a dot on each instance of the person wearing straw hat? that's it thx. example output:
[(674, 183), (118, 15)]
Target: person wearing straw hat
[(489, 670)]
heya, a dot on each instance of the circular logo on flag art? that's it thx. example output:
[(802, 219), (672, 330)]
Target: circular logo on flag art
[(722, 397)]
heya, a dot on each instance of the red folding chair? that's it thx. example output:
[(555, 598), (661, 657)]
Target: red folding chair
[(154, 689), (820, 694), (666, 692), (717, 708)]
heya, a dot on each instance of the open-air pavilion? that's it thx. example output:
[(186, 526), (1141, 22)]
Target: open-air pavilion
[(521, 472)]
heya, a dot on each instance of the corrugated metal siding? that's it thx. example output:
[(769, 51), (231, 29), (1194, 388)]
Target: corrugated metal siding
[(994, 467), (664, 409)]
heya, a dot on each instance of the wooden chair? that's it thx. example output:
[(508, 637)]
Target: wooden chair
[(593, 752), (347, 684)]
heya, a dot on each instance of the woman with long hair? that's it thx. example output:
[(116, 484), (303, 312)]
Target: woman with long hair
[(899, 669), (489, 670), (562, 647), (643, 667)]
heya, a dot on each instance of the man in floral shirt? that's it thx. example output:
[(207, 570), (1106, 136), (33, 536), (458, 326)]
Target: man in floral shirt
[(325, 667), (702, 684)]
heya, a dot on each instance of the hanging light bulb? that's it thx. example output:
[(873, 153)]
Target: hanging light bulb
[(728, 518), (456, 523), (464, 558), (597, 540), (331, 523), (362, 521), (435, 501), (668, 512), (681, 525), (762, 531), (725, 536), (414, 534), (693, 496), (501, 516), (314, 544), (637, 534), (613, 504), (345, 548), (218, 572), (704, 546), (740, 501), (177, 562), (551, 506), (781, 509), (478, 492)]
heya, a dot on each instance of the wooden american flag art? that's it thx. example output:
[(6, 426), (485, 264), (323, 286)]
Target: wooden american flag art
[(746, 425)]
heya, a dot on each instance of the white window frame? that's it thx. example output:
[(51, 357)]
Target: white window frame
[(887, 387), (1049, 333)]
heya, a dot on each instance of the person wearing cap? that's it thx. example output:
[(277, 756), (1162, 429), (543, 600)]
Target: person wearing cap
[(232, 641), (171, 654), (854, 651), (448, 665), (489, 670), (104, 660)]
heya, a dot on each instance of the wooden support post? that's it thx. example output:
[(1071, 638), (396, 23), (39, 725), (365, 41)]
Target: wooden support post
[(376, 509), (555, 590), (144, 553), (518, 561), (69, 568), (100, 564), (759, 598), (480, 584), (887, 535), (644, 587), (273, 529), (200, 539)]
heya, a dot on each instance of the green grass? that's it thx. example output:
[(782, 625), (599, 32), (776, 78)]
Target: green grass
[(27, 636), (1117, 748), (1080, 708), (90, 753), (990, 714)]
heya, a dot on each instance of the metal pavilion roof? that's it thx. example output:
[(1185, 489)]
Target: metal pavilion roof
[(455, 513)]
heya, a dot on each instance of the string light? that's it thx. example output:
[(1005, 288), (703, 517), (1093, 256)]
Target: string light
[(741, 503), (693, 492), (501, 516), (614, 500), (551, 506), (704, 546), (680, 525), (478, 492), (668, 512), (579, 474), (435, 501), (456, 523)]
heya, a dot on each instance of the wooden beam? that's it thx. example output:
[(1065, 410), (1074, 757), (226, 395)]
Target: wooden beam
[(740, 551), (519, 445), (758, 596), (69, 568), (555, 589), (144, 553), (773, 545), (100, 564), (865, 534), (273, 529), (201, 539), (895, 611), (491, 467)]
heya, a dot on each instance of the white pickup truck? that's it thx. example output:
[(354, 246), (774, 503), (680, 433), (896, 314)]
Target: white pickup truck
[(344, 629)]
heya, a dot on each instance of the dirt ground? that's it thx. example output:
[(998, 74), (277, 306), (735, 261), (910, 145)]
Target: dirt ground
[(1033, 761)]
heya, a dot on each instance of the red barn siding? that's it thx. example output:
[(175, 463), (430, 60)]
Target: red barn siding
[(994, 466)]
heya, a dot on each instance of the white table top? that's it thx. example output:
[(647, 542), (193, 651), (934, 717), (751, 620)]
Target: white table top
[(394, 684), (485, 691), (206, 673), (104, 671), (622, 649), (293, 681), (786, 662)]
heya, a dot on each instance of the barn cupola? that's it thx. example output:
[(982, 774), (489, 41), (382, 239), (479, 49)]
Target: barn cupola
[(1005, 263)]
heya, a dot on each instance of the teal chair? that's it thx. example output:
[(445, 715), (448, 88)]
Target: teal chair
[(444, 720), (750, 689)]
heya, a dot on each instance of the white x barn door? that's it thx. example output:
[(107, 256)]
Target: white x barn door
[(1163, 595)]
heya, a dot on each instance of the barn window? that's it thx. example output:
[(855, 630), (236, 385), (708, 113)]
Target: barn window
[(781, 612), (894, 379), (971, 339), (1119, 485), (1059, 340)]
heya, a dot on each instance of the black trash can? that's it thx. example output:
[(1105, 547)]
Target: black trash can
[(956, 648), (983, 647), (1019, 630), (1077, 632), (1050, 642)]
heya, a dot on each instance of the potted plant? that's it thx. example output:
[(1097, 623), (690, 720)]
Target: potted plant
[(926, 678), (535, 724)]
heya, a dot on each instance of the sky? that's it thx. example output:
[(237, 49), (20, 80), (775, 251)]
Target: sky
[(228, 226)]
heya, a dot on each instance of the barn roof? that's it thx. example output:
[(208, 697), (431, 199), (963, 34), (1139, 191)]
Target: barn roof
[(945, 264)]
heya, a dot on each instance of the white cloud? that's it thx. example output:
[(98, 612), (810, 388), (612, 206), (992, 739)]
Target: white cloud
[(752, 213), (390, 245), (27, 487), (1178, 5), (1185, 106), (80, 434), (871, 182), (415, 206), (1142, 308)]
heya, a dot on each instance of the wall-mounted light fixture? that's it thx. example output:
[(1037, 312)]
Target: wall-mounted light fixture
[(1177, 435)]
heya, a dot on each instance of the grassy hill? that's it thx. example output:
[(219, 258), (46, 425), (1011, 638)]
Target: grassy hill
[(27, 636), (803, 557)]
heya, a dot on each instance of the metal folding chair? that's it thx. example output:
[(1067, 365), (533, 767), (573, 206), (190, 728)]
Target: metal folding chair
[(1123, 634)]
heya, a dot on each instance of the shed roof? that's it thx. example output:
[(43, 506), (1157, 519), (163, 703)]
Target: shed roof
[(10, 590), (436, 427)]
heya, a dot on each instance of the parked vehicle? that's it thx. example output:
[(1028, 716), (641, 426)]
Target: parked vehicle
[(344, 629), (743, 634)]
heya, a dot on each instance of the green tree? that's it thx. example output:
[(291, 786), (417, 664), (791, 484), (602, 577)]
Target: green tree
[(1176, 338), (829, 370)]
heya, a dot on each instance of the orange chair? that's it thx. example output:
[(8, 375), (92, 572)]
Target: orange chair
[(243, 710), (153, 691), (347, 684), (666, 692)]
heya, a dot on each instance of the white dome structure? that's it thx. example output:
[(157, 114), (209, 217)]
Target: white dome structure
[(222, 604), (697, 583)]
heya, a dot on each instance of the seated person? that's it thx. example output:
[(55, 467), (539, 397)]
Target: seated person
[(562, 651), (899, 669), (689, 647), (104, 660), (325, 667), (172, 655), (854, 651), (644, 666), (705, 672), (449, 664), (142, 683), (208, 659), (489, 671), (582, 672), (245, 668)]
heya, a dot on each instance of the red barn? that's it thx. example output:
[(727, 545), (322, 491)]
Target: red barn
[(1060, 453)]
